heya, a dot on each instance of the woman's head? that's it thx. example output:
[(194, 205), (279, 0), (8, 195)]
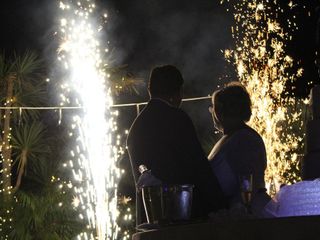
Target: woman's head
[(231, 105)]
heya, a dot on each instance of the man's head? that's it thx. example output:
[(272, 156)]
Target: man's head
[(231, 105), (166, 82)]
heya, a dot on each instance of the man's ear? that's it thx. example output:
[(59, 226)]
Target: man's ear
[(218, 112)]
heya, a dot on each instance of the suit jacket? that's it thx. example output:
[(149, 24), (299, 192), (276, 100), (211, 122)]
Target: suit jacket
[(164, 139)]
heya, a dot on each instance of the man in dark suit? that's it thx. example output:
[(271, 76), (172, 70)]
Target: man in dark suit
[(164, 139)]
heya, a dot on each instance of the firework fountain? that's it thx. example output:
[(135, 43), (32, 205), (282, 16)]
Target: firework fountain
[(264, 68), (93, 159)]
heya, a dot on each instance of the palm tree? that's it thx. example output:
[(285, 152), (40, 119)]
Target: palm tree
[(42, 209), (120, 80), (27, 142), (37, 212), (46, 213), (20, 84)]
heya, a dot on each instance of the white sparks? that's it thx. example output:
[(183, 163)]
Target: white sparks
[(94, 156)]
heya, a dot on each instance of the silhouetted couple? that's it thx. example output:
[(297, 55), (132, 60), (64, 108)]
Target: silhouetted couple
[(164, 139)]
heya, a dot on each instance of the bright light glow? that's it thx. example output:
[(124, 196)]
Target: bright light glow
[(263, 67), (93, 159)]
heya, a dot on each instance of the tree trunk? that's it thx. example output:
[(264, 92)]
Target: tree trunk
[(6, 148), (21, 168)]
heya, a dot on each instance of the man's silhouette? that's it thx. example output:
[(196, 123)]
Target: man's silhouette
[(164, 139)]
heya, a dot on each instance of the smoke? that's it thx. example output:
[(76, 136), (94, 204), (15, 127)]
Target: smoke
[(24, 25), (189, 35), (140, 33)]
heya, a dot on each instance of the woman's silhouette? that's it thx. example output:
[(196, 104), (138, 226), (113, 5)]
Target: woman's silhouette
[(241, 150)]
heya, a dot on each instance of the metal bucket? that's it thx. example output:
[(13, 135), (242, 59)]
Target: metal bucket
[(167, 203)]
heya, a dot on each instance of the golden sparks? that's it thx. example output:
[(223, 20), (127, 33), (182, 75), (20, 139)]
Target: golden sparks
[(263, 68)]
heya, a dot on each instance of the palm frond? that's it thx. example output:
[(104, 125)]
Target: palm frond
[(6, 66), (29, 85), (27, 143), (40, 172), (48, 215), (27, 65), (120, 80), (27, 201), (30, 137), (33, 96)]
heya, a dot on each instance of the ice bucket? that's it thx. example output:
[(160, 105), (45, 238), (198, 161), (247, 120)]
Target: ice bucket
[(167, 204)]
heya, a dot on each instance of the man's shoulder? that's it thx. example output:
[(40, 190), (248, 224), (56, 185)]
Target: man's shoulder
[(135, 126), (181, 113), (159, 115), (167, 110)]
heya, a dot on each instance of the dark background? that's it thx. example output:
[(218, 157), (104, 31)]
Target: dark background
[(143, 33)]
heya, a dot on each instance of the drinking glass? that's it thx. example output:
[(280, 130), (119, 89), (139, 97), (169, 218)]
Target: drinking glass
[(246, 182)]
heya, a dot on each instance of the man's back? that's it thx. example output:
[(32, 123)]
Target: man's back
[(163, 138)]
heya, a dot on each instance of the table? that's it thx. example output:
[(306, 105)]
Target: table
[(292, 228)]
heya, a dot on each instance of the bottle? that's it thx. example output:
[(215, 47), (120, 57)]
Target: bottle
[(146, 178)]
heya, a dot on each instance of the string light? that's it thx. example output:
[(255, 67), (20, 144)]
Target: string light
[(6, 162)]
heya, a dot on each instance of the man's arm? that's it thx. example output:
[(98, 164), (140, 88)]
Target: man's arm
[(209, 191)]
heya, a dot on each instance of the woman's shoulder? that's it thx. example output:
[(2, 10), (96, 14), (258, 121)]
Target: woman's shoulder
[(247, 135), (247, 132)]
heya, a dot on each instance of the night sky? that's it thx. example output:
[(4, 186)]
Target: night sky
[(144, 33)]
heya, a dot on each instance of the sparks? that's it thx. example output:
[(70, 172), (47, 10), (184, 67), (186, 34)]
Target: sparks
[(262, 66), (93, 159)]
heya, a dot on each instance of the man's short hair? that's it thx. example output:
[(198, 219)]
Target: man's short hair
[(165, 81), (233, 101)]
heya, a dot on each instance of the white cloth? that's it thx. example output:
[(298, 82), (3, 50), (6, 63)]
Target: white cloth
[(300, 199)]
